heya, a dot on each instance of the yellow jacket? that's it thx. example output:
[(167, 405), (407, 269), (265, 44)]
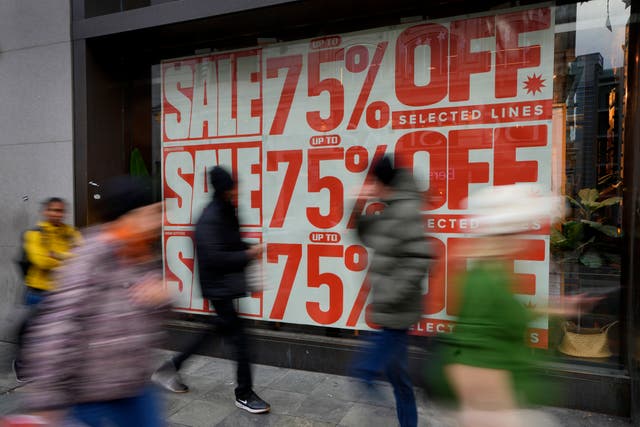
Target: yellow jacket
[(47, 247)]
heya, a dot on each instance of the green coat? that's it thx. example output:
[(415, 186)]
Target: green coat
[(401, 255), (490, 333), (491, 326)]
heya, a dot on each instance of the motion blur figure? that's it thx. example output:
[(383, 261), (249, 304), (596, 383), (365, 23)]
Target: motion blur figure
[(401, 258), (486, 361), (223, 258), (88, 349), (46, 247)]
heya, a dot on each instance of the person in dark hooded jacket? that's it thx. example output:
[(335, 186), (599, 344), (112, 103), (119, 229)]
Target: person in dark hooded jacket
[(222, 260), (401, 257)]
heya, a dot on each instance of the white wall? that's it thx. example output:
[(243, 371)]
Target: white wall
[(36, 152)]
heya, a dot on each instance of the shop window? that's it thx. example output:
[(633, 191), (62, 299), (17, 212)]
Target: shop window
[(586, 245), (584, 78)]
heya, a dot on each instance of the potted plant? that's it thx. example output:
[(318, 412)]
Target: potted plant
[(585, 239), (586, 254)]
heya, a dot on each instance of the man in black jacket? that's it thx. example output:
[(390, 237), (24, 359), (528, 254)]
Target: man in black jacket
[(222, 260)]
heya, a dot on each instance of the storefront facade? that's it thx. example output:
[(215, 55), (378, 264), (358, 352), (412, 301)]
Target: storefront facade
[(297, 98)]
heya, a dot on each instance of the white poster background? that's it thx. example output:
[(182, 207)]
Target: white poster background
[(227, 109)]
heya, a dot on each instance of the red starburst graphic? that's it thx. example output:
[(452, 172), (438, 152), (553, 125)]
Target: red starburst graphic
[(534, 84)]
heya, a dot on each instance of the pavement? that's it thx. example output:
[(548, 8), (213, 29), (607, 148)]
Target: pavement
[(297, 398)]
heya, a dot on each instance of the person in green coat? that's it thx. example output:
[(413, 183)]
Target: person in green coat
[(485, 362)]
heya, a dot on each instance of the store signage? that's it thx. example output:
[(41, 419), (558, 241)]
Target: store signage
[(463, 103)]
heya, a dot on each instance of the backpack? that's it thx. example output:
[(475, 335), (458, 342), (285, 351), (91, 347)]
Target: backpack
[(23, 262)]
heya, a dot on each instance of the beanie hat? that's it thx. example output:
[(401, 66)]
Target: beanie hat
[(511, 209), (122, 194), (221, 180), (384, 171)]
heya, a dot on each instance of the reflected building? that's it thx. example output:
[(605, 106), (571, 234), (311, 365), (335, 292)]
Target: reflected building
[(594, 107)]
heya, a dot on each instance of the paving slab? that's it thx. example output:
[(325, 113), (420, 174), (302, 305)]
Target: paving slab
[(298, 398), (381, 395), (248, 420), (370, 416), (199, 413), (209, 367), (264, 376), (341, 388), (574, 418), (325, 409), (299, 381), (283, 402), (174, 402)]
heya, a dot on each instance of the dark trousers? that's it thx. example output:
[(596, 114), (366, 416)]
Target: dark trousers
[(387, 353), (32, 298), (231, 327)]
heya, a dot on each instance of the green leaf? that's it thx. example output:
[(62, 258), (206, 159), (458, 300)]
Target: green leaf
[(559, 241), (608, 202), (574, 232), (136, 164), (592, 206), (591, 259), (557, 236), (609, 230), (574, 202), (611, 201), (588, 195), (583, 211)]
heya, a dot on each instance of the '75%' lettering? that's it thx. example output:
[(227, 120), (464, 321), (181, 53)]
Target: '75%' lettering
[(332, 295)]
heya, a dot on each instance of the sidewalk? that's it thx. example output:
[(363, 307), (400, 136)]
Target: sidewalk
[(297, 398)]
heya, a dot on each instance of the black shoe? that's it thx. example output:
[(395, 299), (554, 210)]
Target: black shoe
[(168, 378), (252, 403), (20, 379)]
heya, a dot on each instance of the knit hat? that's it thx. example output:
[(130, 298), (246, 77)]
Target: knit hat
[(511, 209), (221, 180), (384, 171), (122, 194)]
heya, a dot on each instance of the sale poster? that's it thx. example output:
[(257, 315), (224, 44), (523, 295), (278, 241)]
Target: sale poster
[(463, 103)]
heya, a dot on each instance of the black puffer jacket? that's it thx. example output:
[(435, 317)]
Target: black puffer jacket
[(221, 253)]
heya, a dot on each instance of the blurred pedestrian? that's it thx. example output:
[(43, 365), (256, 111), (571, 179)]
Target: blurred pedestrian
[(401, 257), (88, 349), (485, 361), (45, 247), (222, 261)]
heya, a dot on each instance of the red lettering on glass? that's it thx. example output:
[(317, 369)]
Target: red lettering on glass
[(436, 37), (464, 171), (293, 64), (506, 169), (315, 279), (510, 57), (463, 62), (331, 85), (435, 144)]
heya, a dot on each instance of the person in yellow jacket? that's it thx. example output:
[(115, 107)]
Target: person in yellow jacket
[(46, 247)]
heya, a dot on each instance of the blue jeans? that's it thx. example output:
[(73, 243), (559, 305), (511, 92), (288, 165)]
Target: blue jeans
[(387, 353), (33, 296), (143, 410)]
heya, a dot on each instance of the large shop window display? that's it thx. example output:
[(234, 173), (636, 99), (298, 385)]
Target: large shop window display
[(530, 94)]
